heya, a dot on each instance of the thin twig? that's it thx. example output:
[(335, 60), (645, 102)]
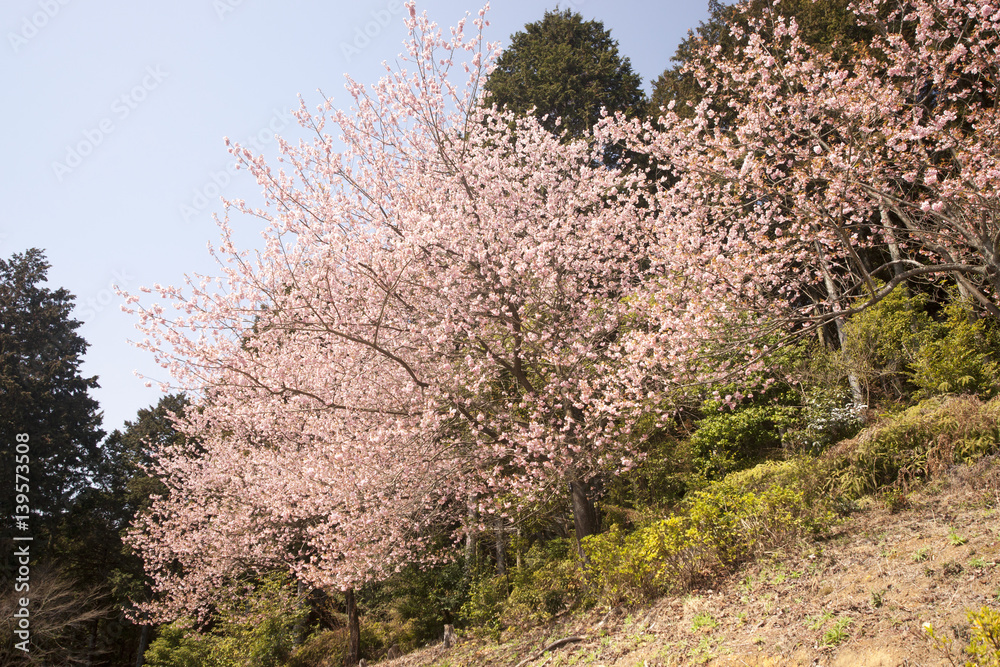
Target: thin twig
[(553, 645)]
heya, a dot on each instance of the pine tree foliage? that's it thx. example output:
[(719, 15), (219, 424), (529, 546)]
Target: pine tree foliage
[(568, 69)]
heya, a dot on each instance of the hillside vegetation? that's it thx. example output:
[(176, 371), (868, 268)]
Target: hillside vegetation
[(841, 554), (905, 574)]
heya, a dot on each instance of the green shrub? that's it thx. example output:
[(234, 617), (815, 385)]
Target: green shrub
[(548, 582), (176, 646), (326, 648), (411, 608), (714, 529), (753, 426), (881, 342), (254, 626), (738, 524), (422, 601), (959, 355), (482, 611), (826, 417), (895, 345), (542, 590), (836, 634), (984, 641), (915, 444), (733, 440), (663, 474), (794, 473)]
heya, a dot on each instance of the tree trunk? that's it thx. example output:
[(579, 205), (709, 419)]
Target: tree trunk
[(857, 391), (143, 644), (501, 548), (299, 630), (353, 629), (833, 293), (584, 515), (470, 547), (890, 237)]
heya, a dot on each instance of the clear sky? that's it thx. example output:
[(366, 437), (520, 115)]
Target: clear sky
[(113, 147)]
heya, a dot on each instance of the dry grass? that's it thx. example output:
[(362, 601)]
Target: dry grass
[(58, 612)]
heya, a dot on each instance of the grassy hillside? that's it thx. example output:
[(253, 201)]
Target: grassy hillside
[(915, 541)]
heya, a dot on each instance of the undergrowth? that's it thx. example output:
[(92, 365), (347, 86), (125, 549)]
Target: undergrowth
[(711, 532), (715, 528), (900, 450)]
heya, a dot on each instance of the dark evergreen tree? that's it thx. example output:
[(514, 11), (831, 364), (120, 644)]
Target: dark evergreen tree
[(43, 393), (568, 69), (88, 541), (47, 410)]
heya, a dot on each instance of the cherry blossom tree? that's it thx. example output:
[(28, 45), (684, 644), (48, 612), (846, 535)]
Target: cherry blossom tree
[(454, 308), (824, 185), (433, 324)]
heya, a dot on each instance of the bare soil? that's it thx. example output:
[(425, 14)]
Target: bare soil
[(858, 598)]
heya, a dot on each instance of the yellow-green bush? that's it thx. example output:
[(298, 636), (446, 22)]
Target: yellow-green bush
[(959, 355), (715, 529), (548, 581), (795, 473), (984, 645), (631, 567), (895, 347), (984, 639), (915, 444)]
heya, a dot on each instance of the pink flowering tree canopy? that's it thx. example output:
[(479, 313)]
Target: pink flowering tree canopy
[(804, 188), (434, 325)]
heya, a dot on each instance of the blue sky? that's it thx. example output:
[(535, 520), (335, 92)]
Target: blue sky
[(116, 113)]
